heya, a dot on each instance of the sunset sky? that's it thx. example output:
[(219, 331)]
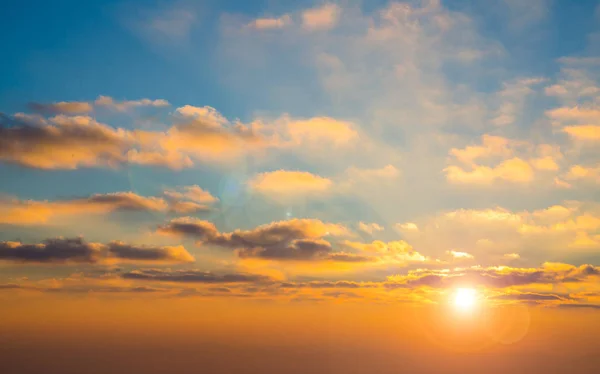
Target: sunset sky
[(325, 187)]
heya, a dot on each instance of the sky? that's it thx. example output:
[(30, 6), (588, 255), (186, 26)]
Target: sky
[(278, 180)]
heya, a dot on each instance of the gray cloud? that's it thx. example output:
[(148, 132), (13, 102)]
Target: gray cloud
[(76, 250), (297, 239), (193, 276)]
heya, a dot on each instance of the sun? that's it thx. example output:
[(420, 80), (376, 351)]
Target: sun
[(465, 299)]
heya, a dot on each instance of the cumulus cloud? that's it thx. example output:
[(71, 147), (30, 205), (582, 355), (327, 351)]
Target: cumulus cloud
[(76, 250), (290, 185), (63, 142), (296, 239)]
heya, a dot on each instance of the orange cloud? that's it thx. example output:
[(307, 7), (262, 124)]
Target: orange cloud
[(64, 143), (284, 184), (583, 132), (271, 23), (317, 130), (324, 17), (514, 170), (26, 212)]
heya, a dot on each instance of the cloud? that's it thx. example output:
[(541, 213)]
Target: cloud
[(512, 100), (76, 250), (63, 107), (319, 130), (489, 234), (514, 170), (575, 114), (63, 142), (501, 159), (188, 226), (369, 228), (460, 255), (409, 227), (198, 137), (324, 17), (119, 252), (206, 115), (290, 185), (51, 251), (268, 23), (583, 132), (189, 199), (529, 296), (193, 276), (71, 142), (26, 212), (292, 240), (494, 277), (579, 172), (391, 252), (123, 106)]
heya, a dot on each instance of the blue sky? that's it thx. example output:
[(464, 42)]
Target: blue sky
[(449, 127)]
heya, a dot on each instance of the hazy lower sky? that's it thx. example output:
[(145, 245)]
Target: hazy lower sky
[(300, 186)]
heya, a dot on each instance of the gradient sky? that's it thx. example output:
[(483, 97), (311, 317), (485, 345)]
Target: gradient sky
[(278, 159)]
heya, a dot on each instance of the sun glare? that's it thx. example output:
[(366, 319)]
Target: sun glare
[(465, 299)]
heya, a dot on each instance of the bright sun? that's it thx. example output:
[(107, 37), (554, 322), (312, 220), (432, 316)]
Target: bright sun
[(465, 298)]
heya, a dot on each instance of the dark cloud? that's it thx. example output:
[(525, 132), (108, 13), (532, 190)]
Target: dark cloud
[(327, 284), (52, 251), (300, 249), (123, 251), (297, 239), (76, 250), (193, 227), (193, 276)]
